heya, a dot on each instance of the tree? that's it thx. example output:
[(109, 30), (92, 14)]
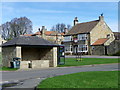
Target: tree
[(60, 27), (16, 27)]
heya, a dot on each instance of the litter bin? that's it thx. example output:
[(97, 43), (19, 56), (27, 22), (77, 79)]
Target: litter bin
[(15, 63)]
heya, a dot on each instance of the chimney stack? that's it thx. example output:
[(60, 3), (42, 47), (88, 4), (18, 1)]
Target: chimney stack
[(43, 32), (65, 30), (101, 18), (75, 21)]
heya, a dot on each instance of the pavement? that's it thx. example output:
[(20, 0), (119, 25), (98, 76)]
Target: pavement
[(31, 78), (91, 56)]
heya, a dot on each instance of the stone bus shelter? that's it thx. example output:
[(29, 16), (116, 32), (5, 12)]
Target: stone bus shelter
[(32, 50)]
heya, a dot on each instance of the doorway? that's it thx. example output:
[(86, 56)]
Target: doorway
[(105, 50), (75, 49)]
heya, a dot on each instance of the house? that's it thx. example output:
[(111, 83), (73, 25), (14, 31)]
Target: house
[(114, 47), (88, 37), (32, 50), (1, 42), (53, 36)]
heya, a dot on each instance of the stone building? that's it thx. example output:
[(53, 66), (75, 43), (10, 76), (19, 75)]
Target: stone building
[(1, 42), (52, 36), (31, 49), (114, 47), (88, 37)]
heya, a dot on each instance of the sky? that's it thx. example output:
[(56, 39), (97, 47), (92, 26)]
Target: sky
[(50, 13)]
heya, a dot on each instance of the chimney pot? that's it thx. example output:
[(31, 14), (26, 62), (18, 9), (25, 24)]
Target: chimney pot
[(101, 18), (65, 30), (75, 21), (43, 27)]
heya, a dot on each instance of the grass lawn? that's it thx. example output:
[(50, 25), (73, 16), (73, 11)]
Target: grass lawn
[(97, 79), (7, 69), (88, 61)]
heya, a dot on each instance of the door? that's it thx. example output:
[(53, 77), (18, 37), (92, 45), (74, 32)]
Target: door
[(105, 50), (75, 49)]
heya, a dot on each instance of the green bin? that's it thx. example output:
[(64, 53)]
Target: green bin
[(15, 63)]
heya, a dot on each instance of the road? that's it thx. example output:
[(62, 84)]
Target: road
[(30, 78), (91, 56)]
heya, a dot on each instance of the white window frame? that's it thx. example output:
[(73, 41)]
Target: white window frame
[(82, 37), (67, 38), (82, 45), (70, 46), (108, 35)]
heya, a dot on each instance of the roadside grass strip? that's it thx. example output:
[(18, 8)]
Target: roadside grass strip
[(94, 79), (88, 61), (7, 69)]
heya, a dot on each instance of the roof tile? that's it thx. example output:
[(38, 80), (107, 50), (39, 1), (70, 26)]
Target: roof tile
[(83, 27), (100, 41), (29, 41)]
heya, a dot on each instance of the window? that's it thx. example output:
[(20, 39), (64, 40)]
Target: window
[(82, 36), (108, 36), (93, 47), (68, 47), (82, 48), (67, 38)]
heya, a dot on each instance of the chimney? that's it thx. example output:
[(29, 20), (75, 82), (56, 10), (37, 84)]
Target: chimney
[(101, 18), (75, 21), (65, 30), (43, 32)]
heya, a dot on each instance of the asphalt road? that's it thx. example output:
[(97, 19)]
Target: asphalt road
[(30, 78)]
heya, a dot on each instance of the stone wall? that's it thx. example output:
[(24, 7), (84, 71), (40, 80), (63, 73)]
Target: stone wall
[(8, 53), (28, 54), (31, 54), (34, 64), (0, 44), (24, 64), (54, 56), (40, 64), (98, 50), (114, 47)]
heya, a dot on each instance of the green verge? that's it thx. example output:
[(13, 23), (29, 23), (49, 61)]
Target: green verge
[(88, 61), (5, 68), (8, 69), (94, 79)]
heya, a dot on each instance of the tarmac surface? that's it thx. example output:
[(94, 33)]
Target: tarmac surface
[(31, 78)]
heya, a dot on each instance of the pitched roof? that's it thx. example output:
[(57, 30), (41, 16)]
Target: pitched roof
[(62, 33), (28, 34), (100, 41), (47, 33), (28, 41), (83, 27)]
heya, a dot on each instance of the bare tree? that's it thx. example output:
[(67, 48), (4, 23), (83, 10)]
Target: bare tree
[(60, 27), (16, 27), (68, 27)]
